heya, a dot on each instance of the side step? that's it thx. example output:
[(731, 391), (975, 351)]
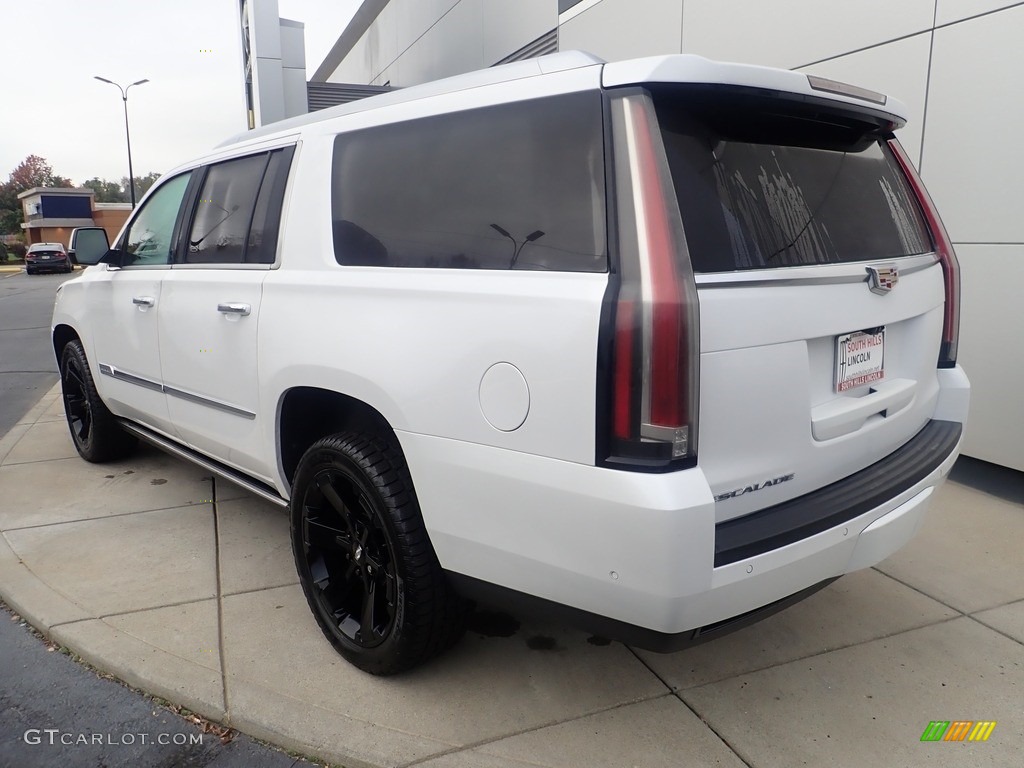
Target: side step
[(262, 490)]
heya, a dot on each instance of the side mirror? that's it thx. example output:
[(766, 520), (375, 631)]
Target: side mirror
[(88, 245)]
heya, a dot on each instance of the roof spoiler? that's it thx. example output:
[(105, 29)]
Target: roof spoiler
[(697, 70)]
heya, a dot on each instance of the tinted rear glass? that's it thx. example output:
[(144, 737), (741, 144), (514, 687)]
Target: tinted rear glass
[(514, 186), (759, 187)]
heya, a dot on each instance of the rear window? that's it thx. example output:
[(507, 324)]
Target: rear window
[(763, 183), (514, 186)]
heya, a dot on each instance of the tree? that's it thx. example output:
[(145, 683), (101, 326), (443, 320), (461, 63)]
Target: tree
[(31, 172), (10, 220), (10, 209), (34, 171), (142, 184), (106, 191)]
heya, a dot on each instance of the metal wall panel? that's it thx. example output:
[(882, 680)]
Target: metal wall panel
[(625, 29), (797, 32)]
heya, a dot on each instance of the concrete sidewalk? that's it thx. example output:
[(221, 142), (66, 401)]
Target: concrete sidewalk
[(185, 587)]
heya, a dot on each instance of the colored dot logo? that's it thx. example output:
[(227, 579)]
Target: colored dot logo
[(206, 50)]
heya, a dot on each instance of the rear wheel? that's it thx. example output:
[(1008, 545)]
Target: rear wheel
[(96, 434), (364, 559)]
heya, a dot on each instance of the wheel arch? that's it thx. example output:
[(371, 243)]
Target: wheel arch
[(307, 414), (61, 336)]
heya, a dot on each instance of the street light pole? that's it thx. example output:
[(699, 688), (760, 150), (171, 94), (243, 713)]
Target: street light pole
[(127, 133)]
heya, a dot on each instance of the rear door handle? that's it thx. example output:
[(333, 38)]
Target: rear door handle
[(234, 308), (143, 301)]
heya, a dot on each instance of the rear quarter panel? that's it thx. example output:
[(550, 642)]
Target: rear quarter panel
[(415, 343)]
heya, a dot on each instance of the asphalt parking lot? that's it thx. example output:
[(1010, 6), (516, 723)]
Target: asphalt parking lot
[(184, 587)]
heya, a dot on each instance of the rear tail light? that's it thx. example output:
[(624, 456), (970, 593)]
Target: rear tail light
[(947, 257), (655, 343)]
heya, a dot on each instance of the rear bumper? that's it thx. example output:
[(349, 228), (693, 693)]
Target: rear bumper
[(632, 556), (851, 497), (751, 589), (55, 265)]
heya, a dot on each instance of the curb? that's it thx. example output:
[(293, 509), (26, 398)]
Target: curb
[(21, 268)]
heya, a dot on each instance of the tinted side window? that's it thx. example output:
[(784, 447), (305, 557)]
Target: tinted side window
[(266, 221), (516, 186), (224, 209), (150, 237)]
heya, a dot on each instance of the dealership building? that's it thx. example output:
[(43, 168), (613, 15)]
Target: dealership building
[(956, 64)]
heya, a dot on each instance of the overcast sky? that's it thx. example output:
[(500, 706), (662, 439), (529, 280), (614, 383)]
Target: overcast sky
[(52, 106)]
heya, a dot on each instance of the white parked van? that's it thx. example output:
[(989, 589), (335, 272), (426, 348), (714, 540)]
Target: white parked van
[(664, 344)]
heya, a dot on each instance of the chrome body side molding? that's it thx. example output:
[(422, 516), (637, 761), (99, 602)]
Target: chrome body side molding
[(117, 373)]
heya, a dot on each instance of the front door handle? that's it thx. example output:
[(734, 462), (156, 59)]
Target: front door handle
[(234, 308), (143, 301)]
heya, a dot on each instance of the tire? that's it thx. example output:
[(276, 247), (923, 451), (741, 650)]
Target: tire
[(94, 430), (365, 562)]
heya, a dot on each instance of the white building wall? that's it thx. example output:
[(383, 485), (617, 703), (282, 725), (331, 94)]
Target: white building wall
[(293, 67), (955, 63), (795, 33), (277, 61), (622, 29), (414, 41), (973, 162)]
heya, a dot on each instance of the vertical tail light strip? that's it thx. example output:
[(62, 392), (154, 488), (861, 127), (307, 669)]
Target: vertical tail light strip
[(947, 257), (622, 386), (656, 327)]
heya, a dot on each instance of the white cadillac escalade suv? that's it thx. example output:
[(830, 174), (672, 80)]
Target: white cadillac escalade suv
[(664, 344)]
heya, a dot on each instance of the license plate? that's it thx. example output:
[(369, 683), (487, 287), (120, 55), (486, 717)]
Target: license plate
[(45, 258), (859, 358)]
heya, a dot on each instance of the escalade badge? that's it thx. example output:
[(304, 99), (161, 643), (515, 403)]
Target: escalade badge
[(754, 487), (882, 279)]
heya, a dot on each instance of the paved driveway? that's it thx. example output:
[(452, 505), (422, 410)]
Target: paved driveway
[(184, 586)]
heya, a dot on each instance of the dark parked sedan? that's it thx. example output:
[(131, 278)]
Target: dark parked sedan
[(43, 257)]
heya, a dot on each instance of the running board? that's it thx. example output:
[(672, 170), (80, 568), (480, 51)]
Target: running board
[(262, 490)]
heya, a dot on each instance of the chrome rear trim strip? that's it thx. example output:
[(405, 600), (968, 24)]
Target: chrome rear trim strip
[(833, 274)]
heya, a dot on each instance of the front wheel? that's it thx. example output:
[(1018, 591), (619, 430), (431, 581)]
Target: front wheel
[(365, 562), (94, 431)]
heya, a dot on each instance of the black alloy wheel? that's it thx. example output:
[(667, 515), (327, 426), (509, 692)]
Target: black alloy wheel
[(364, 559), (350, 557), (76, 402), (94, 430)]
